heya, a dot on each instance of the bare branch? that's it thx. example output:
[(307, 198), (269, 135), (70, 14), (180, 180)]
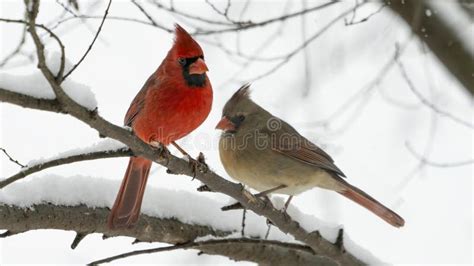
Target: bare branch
[(188, 15), (10, 158), (64, 160), (426, 102), (426, 161), (149, 17), (251, 24), (92, 43), (16, 50), (289, 56), (352, 22), (51, 33), (439, 37), (237, 26), (207, 243)]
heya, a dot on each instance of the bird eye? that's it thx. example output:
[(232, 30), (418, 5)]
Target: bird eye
[(237, 120), (182, 61)]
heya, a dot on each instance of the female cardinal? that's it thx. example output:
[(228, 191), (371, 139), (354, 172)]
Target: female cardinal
[(174, 101), (267, 154)]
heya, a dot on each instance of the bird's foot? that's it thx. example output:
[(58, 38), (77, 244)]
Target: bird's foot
[(163, 152), (198, 165), (238, 205)]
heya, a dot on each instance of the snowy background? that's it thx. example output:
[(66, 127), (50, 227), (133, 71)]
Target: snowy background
[(368, 139)]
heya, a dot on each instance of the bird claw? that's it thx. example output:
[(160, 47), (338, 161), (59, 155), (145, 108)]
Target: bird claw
[(163, 152), (251, 197), (198, 164)]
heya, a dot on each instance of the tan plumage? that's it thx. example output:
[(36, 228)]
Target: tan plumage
[(264, 152)]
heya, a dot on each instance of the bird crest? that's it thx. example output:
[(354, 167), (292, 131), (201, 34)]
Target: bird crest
[(184, 45)]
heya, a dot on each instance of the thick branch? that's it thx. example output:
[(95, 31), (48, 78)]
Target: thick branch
[(440, 38), (30, 102), (84, 220)]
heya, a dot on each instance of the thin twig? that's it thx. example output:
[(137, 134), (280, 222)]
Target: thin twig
[(16, 50), (363, 91), (92, 43), (352, 22), (11, 159), (437, 164), (52, 34), (173, 10), (304, 44), (306, 54), (251, 25), (64, 160), (200, 244), (426, 102), (239, 26)]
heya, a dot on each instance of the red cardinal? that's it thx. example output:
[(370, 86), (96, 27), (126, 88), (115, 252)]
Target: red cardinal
[(174, 101)]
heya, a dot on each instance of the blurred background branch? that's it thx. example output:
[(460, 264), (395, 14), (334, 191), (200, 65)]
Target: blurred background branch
[(440, 37)]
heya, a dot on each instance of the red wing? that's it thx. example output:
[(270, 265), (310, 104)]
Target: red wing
[(307, 152), (138, 102)]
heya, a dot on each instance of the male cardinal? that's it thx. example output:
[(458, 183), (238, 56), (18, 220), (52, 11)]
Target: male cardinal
[(267, 154), (174, 101)]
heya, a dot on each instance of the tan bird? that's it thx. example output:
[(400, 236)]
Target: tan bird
[(270, 156)]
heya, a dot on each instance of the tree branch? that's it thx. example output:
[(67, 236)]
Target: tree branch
[(439, 37), (84, 220), (92, 43), (26, 101), (64, 160)]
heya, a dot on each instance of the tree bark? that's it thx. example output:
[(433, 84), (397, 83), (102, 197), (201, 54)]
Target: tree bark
[(84, 220)]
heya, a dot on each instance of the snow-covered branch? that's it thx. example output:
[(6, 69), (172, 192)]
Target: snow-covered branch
[(80, 203), (103, 150), (85, 220)]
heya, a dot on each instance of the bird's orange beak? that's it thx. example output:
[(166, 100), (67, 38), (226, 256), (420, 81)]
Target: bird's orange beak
[(198, 67), (225, 124)]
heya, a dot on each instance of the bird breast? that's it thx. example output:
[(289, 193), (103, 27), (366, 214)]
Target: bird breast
[(169, 115)]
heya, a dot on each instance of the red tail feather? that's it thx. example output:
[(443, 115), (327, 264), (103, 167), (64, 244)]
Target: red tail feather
[(128, 202), (372, 205)]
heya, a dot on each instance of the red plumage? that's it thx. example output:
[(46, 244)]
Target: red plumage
[(168, 107)]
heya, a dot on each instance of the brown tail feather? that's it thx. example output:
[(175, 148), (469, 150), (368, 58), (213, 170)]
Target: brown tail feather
[(372, 205), (128, 202)]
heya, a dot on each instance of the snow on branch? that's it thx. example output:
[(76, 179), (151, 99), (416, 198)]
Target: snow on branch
[(105, 149), (79, 204)]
